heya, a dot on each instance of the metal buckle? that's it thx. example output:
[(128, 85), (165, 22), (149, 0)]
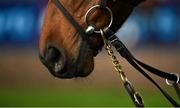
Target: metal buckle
[(94, 7), (171, 84), (138, 99)]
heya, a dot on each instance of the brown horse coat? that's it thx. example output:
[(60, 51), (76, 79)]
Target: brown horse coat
[(59, 33)]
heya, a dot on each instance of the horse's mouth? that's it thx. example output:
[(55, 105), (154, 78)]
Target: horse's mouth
[(62, 67)]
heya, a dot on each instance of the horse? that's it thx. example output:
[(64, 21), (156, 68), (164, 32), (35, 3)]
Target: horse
[(74, 32), (60, 42)]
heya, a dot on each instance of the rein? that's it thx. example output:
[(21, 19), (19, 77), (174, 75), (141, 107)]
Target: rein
[(109, 39)]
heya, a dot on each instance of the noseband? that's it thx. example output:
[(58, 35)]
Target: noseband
[(111, 38)]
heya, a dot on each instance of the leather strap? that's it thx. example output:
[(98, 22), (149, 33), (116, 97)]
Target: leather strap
[(133, 2), (70, 18), (157, 72), (120, 48), (135, 97), (177, 89), (79, 29), (124, 52), (103, 3)]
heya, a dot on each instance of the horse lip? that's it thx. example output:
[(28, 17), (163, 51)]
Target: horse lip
[(95, 53), (54, 70), (58, 70), (81, 74), (62, 73)]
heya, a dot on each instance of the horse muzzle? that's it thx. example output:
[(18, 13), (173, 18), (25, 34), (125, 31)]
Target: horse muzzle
[(55, 60), (58, 64)]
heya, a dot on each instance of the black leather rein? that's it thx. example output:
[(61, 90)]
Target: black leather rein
[(120, 47)]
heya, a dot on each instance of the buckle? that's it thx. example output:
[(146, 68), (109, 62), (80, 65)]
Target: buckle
[(175, 83)]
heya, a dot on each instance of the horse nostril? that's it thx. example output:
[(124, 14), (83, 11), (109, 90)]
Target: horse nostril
[(55, 59)]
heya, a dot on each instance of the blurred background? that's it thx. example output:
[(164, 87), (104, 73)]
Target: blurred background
[(152, 33)]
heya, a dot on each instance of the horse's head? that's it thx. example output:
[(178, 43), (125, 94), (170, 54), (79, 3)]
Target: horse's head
[(60, 42)]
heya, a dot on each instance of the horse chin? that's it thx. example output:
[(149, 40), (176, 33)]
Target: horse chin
[(67, 67), (74, 69)]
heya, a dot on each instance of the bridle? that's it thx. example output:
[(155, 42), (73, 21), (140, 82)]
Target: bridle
[(111, 38)]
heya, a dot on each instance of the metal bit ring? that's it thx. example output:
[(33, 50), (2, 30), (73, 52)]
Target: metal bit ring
[(170, 84), (94, 7)]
